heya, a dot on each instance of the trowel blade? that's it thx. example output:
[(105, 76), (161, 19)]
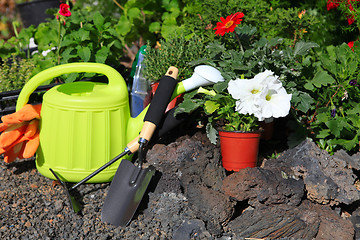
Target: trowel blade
[(124, 197)]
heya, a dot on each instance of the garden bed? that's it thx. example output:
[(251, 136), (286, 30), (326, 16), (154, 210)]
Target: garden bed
[(192, 197)]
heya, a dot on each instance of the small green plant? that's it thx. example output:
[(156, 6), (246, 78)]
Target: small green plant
[(15, 72), (177, 51), (83, 36)]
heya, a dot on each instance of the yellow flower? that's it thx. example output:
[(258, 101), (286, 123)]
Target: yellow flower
[(300, 14), (3, 26)]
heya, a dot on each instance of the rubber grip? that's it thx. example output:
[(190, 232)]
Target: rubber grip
[(160, 100)]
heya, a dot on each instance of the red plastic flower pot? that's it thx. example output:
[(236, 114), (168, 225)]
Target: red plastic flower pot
[(239, 149)]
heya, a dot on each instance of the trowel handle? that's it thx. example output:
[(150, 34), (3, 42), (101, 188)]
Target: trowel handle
[(156, 108), (159, 103)]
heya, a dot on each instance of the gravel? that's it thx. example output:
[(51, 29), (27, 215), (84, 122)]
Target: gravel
[(35, 207)]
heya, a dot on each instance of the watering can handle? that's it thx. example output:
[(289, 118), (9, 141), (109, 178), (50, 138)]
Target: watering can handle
[(114, 77)]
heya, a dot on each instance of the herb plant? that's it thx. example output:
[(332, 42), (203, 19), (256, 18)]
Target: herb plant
[(176, 51), (15, 72)]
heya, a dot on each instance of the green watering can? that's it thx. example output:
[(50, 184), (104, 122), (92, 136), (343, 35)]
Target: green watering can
[(84, 124)]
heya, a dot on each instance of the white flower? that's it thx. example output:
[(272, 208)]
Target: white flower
[(268, 79), (263, 96), (273, 103), (246, 91)]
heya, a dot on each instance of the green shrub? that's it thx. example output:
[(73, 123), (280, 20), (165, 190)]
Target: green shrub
[(175, 51), (15, 72)]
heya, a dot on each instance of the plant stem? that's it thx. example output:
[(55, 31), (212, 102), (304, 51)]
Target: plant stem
[(239, 41), (118, 4), (59, 43)]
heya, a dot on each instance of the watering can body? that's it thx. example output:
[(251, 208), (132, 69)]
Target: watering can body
[(83, 124)]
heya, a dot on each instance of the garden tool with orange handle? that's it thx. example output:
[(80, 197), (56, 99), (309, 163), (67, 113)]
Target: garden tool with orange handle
[(20, 133)]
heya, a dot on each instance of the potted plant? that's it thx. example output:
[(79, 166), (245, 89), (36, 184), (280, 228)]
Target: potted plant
[(250, 94), (234, 109)]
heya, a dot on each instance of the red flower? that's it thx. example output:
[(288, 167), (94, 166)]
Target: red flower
[(332, 4), (64, 10), (228, 24), (351, 18), (351, 45)]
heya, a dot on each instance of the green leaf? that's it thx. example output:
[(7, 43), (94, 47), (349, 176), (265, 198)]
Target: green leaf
[(301, 48), (101, 55), (220, 86), (322, 117), (134, 13), (211, 106), (84, 53), (348, 144), (66, 55), (98, 20), (322, 78), (302, 101), (245, 30), (187, 106), (154, 27), (329, 64), (275, 41), (211, 133), (323, 134), (71, 77), (335, 126), (124, 26), (309, 86)]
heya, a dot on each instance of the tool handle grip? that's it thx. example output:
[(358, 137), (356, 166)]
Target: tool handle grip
[(157, 108), (162, 97)]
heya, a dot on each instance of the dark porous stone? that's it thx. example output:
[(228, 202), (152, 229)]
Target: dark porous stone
[(261, 186), (191, 229), (213, 207), (307, 221), (328, 179)]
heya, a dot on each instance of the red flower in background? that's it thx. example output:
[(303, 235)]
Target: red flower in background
[(228, 24), (64, 10), (332, 4), (351, 45), (336, 3)]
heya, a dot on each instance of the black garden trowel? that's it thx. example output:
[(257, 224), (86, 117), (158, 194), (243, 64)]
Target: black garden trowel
[(131, 180), (151, 121)]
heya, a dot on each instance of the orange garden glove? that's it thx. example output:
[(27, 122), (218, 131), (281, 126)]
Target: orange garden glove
[(20, 133)]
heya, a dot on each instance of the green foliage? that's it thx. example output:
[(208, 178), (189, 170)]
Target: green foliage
[(86, 37), (15, 72), (219, 107), (249, 57), (145, 19), (271, 20), (177, 51), (335, 88)]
